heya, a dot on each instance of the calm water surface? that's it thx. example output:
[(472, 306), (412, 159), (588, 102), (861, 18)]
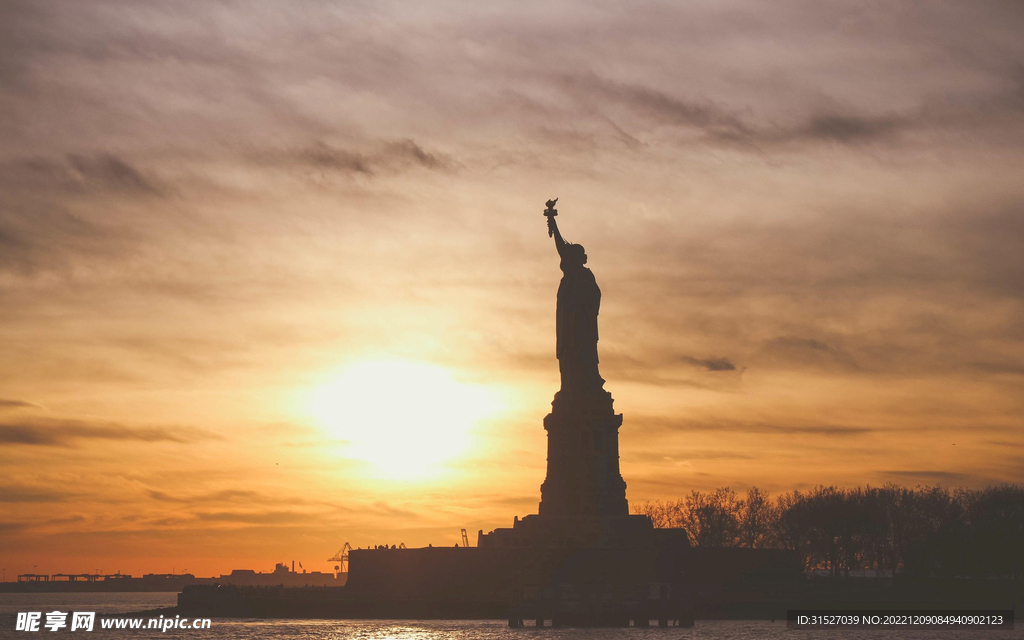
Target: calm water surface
[(109, 603)]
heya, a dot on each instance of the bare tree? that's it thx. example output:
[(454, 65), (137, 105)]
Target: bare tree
[(925, 531), (712, 519), (655, 510), (757, 520)]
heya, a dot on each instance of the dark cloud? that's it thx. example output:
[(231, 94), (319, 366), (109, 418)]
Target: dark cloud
[(322, 156), (38, 238), (380, 158), (655, 378), (800, 343), (667, 424), (64, 433), (109, 171), (851, 292), (67, 520), (231, 496), (711, 364), (1005, 443), (797, 351), (719, 123), (1007, 368), (407, 151), (676, 456), (658, 368), (937, 476), (227, 495), (986, 242), (842, 128), (20, 493), (20, 22), (11, 528), (6, 403), (78, 173), (261, 517), (711, 118)]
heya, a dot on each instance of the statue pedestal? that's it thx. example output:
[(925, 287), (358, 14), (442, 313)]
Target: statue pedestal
[(583, 479), (536, 531), (583, 498)]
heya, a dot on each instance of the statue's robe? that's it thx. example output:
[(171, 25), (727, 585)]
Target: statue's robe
[(579, 300)]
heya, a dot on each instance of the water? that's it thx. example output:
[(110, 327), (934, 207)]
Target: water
[(11, 603), (230, 629)]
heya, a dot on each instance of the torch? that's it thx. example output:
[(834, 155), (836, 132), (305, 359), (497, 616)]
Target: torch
[(551, 212)]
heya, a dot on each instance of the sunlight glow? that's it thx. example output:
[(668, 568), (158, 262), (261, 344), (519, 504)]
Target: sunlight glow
[(406, 419)]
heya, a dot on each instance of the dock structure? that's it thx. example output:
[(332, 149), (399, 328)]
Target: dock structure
[(603, 605), (558, 585), (93, 582), (75, 577)]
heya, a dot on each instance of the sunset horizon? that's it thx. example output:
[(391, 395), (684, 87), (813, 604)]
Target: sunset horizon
[(277, 279)]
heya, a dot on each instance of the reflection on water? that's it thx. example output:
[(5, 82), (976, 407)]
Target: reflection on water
[(11, 603), (496, 629)]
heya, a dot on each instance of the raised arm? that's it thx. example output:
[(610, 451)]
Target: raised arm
[(560, 243)]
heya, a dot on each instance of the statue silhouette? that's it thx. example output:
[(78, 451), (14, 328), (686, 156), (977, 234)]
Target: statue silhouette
[(579, 300)]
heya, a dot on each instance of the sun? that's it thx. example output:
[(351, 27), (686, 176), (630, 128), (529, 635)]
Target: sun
[(405, 419)]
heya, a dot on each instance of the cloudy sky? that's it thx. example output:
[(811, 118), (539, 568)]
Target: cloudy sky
[(254, 253)]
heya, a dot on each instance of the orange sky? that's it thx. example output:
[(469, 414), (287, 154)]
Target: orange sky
[(229, 234)]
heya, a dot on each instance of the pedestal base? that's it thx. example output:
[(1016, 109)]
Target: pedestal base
[(541, 531), (583, 479)]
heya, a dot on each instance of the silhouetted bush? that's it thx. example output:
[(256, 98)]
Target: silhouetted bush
[(893, 530)]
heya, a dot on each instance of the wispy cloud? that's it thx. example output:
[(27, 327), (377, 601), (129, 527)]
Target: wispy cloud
[(722, 124), (254, 517), (22, 493), (651, 424), (386, 157), (69, 432), (77, 173), (710, 364), (937, 477), (7, 403)]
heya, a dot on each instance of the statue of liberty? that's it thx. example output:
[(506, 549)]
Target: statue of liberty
[(579, 300)]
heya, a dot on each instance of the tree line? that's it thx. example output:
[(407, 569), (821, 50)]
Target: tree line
[(894, 530)]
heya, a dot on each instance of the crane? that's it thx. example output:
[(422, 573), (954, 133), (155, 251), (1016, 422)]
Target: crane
[(341, 558), (465, 539)]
